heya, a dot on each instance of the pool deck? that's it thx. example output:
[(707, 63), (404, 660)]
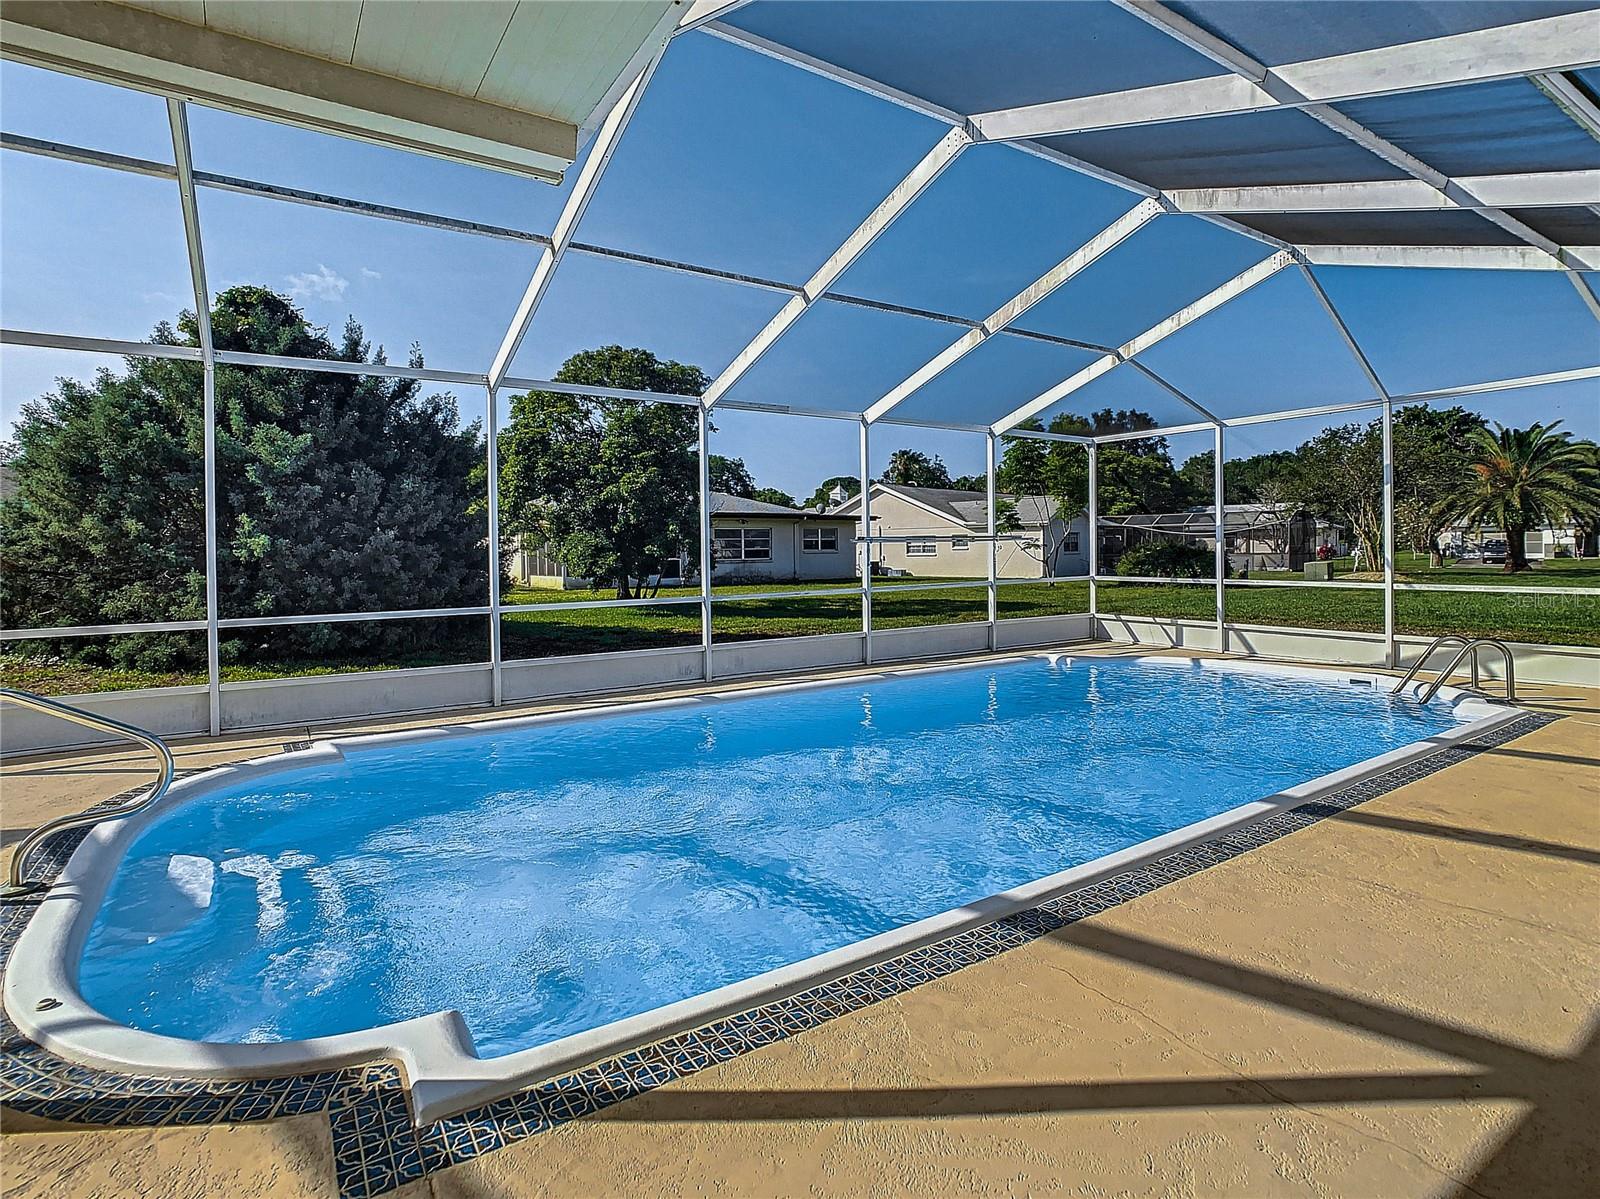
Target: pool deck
[(1401, 1000)]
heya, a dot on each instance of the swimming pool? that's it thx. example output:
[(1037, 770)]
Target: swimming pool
[(524, 895)]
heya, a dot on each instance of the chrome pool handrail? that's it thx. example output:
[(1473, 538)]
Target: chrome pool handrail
[(38, 703), (1471, 648), (1422, 661)]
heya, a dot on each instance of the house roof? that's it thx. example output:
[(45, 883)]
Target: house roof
[(1236, 518), (723, 504), (963, 507)]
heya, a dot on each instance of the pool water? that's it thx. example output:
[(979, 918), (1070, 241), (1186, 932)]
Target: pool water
[(548, 879)]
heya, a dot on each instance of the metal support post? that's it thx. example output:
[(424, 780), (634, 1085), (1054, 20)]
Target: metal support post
[(705, 540), (866, 544), (994, 550), (492, 463), (1220, 525)]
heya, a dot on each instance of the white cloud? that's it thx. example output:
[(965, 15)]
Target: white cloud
[(322, 284), (368, 273)]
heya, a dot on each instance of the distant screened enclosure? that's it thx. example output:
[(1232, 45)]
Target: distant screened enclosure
[(1180, 311)]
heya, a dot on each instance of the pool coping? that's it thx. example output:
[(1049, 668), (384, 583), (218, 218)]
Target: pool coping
[(435, 1052)]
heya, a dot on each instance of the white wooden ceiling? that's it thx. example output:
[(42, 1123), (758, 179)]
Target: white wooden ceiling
[(508, 83), (557, 58)]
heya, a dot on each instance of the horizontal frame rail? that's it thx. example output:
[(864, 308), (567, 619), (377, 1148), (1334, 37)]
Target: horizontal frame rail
[(580, 605), (1053, 579), (820, 593), (891, 588)]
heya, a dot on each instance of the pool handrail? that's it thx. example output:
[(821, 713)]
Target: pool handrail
[(1422, 660), (15, 884), (1469, 650)]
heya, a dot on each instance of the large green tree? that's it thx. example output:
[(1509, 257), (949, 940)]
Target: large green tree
[(1432, 466), (774, 495), (1338, 475), (1136, 475), (913, 468), (822, 498), (336, 492), (730, 476), (1341, 480), (1244, 480), (609, 486), (1524, 479)]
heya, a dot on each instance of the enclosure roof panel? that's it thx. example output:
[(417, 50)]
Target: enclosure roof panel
[(974, 55), (1259, 27), (1238, 124)]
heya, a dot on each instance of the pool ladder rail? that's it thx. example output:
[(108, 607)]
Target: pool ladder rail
[(16, 884), (1468, 651)]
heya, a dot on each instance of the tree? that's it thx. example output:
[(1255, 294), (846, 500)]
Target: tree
[(730, 476), (1526, 478), (1341, 480), (610, 486), (970, 483), (1024, 464), (771, 495), (1433, 463), (1243, 479), (1586, 524), (1132, 483), (822, 498), (913, 468), (335, 493), (1136, 475)]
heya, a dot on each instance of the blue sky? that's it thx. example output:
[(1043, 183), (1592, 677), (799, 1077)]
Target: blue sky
[(738, 162)]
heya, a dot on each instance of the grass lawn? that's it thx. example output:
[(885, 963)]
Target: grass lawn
[(1551, 619)]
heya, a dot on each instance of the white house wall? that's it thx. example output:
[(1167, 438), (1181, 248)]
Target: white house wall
[(790, 560)]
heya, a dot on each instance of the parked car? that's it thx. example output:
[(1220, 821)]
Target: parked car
[(1494, 551)]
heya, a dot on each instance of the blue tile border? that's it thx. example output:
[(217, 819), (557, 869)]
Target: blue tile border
[(375, 1147)]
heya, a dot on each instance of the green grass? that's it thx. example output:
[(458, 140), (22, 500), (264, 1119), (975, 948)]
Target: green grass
[(1554, 572), (1550, 619)]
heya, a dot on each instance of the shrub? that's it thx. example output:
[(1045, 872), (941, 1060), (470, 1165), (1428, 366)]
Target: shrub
[(1166, 560)]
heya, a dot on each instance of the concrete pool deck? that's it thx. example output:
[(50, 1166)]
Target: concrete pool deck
[(1398, 1000)]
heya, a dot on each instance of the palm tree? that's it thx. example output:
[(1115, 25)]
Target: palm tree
[(1526, 478)]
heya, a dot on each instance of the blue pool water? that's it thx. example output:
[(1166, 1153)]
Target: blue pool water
[(549, 879)]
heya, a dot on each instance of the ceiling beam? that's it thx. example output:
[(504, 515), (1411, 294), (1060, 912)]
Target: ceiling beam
[(605, 145), (1416, 397), (1559, 43), (933, 164), (1515, 384), (1187, 315), (137, 48), (1525, 190), (1241, 64), (1464, 258), (1100, 244), (701, 12), (1571, 99)]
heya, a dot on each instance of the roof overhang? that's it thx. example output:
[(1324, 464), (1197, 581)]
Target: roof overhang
[(416, 76)]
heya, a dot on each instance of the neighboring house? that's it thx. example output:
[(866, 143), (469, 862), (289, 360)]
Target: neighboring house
[(1461, 540), (755, 542), (1258, 536), (752, 542), (943, 530)]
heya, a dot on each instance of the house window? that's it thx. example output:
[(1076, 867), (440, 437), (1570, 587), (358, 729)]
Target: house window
[(961, 543), (921, 549), (744, 545), (820, 541), (1070, 546)]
